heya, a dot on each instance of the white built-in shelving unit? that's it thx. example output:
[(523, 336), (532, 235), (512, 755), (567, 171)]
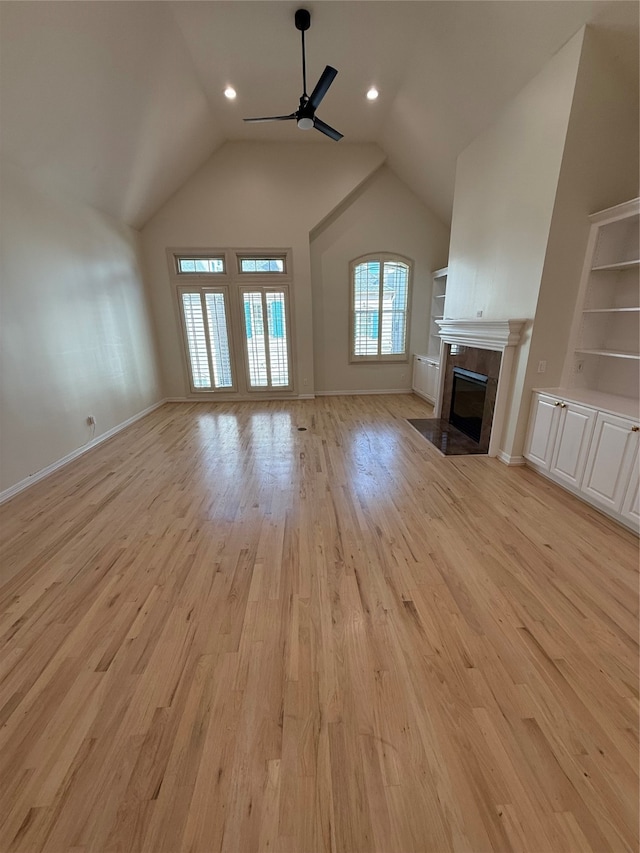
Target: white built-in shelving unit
[(437, 311), (426, 367), (604, 351), (585, 434)]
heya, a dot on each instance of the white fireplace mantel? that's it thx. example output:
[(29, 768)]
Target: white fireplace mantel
[(485, 334), (500, 335)]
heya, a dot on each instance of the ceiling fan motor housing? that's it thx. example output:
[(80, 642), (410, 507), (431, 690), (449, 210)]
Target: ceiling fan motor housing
[(302, 19)]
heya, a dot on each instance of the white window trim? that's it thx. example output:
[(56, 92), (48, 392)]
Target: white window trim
[(382, 357), (174, 255), (235, 280)]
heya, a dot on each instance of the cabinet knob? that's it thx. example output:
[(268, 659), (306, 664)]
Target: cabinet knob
[(557, 403), (635, 429), (563, 405)]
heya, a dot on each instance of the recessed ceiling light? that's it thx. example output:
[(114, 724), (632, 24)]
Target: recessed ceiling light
[(230, 93), (372, 94)]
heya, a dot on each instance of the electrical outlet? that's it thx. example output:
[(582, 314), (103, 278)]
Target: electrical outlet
[(478, 313), (305, 381), (542, 366), (91, 421)]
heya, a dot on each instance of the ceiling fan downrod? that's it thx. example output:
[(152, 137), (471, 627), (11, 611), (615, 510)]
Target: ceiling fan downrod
[(303, 22)]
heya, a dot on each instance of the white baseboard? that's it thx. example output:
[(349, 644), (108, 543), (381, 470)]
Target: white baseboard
[(55, 466), (510, 460), (362, 393), (236, 399)]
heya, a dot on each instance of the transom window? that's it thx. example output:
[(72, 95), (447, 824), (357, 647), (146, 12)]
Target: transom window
[(200, 266), (262, 265), (380, 294)]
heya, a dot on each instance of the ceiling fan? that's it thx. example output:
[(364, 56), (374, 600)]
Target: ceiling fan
[(305, 115)]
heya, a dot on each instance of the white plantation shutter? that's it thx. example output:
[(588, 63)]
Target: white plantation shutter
[(277, 328), (208, 345), (219, 340), (379, 308), (395, 292), (266, 337), (255, 340), (196, 340)]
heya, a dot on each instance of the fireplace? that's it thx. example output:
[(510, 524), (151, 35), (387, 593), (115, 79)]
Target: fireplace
[(487, 348), (468, 394)]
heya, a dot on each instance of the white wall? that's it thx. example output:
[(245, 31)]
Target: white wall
[(599, 169), (253, 195), (505, 190), (384, 215), (76, 339)]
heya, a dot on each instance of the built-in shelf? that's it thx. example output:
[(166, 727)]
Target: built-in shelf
[(438, 294), (603, 355), (622, 265), (634, 310), (610, 352)]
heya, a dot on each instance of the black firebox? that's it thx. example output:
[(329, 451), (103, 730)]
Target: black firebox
[(467, 402)]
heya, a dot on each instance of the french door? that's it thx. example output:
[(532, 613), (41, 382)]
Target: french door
[(237, 337)]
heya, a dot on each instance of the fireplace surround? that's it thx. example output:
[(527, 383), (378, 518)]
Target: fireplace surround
[(485, 347)]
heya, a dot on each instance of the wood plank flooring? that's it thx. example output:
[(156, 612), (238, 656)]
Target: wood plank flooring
[(220, 633)]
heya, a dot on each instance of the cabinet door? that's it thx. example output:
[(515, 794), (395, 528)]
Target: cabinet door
[(434, 376), (612, 451), (631, 499), (420, 376), (543, 426), (572, 442)]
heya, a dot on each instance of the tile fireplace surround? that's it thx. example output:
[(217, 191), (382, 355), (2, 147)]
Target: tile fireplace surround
[(487, 347)]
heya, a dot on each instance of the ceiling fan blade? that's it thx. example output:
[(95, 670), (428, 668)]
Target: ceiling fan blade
[(323, 127), (326, 79), (272, 118)]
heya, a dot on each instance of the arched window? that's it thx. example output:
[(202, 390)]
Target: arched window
[(380, 299)]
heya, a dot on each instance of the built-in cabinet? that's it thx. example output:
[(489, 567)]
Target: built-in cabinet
[(592, 452), (426, 372), (438, 294), (426, 368), (584, 435)]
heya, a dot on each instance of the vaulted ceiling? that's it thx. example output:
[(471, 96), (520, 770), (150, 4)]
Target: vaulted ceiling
[(117, 103)]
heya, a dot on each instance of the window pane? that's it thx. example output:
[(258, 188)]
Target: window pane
[(254, 332), (262, 265), (394, 308), (201, 266), (366, 299), (196, 340), (278, 355), (219, 340)]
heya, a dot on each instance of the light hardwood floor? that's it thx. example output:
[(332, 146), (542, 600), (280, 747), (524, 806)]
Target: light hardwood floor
[(221, 633)]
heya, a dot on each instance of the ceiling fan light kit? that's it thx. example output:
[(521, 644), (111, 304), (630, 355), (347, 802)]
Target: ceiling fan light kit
[(305, 115)]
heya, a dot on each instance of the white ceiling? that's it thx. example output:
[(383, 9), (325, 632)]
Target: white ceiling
[(118, 102)]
